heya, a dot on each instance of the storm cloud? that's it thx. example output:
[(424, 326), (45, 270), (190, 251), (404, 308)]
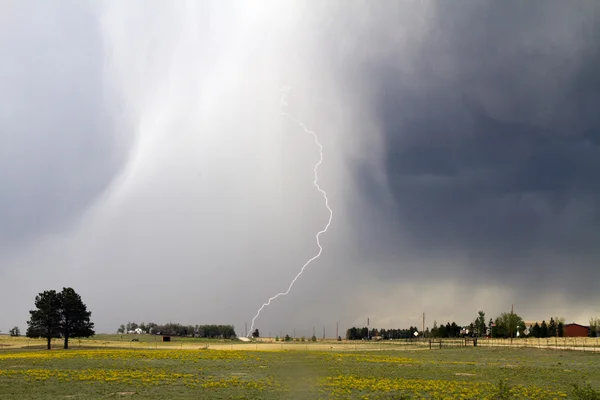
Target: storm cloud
[(492, 144), (144, 160)]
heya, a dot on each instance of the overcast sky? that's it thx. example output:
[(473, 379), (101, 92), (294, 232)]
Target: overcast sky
[(144, 160)]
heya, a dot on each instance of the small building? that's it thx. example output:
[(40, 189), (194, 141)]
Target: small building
[(576, 330)]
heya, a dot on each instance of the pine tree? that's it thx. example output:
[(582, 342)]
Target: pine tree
[(75, 318), (59, 315), (552, 328), (561, 329), (544, 330), (44, 321), (480, 324), (535, 331)]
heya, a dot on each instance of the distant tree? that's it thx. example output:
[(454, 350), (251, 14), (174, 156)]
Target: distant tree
[(339, 339), (121, 329), (303, 339), (594, 327), (277, 338), (256, 333), (75, 318), (507, 324), (151, 326), (536, 330), (15, 332), (480, 324), (287, 338), (45, 320), (435, 330), (552, 328), (544, 330), (490, 326), (443, 330), (454, 330), (313, 338), (561, 329), (59, 315)]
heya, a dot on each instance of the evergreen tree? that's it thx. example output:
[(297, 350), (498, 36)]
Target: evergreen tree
[(59, 315), (443, 330), (561, 329), (544, 330), (480, 327), (75, 318), (44, 321), (435, 330), (535, 331), (552, 329), (454, 330), (594, 327)]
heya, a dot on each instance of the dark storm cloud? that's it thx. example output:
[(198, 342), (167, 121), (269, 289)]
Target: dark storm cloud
[(58, 148), (492, 150)]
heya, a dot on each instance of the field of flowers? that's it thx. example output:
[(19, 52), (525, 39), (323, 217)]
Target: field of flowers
[(463, 373)]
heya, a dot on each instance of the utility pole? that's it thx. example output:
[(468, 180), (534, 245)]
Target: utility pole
[(336, 330), (423, 328), (246, 329), (314, 332)]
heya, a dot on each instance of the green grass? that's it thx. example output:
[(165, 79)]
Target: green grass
[(459, 373)]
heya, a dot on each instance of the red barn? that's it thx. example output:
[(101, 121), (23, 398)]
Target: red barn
[(576, 330)]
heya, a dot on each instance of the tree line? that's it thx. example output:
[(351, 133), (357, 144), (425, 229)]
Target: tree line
[(506, 325), (176, 329), (386, 334)]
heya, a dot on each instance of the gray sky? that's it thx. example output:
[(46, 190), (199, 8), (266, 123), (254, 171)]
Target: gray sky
[(145, 163)]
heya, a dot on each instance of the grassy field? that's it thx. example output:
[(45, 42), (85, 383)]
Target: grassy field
[(451, 373), (155, 342)]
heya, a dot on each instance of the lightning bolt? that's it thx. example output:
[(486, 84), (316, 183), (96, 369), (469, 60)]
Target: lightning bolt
[(283, 104)]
